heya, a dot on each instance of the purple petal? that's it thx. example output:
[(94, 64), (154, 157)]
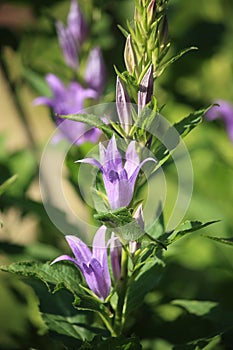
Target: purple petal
[(132, 159), (145, 89), (76, 23), (102, 152), (136, 171), (123, 105), (91, 161), (119, 192), (113, 158), (64, 257), (55, 85), (95, 277), (95, 75), (68, 45), (99, 250), (43, 100), (80, 250), (115, 254)]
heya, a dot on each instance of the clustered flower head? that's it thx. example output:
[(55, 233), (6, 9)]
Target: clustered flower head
[(222, 110), (70, 98)]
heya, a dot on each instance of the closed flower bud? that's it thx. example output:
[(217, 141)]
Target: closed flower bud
[(129, 55), (145, 89), (150, 12)]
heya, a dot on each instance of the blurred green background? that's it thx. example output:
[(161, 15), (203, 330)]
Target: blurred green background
[(197, 268)]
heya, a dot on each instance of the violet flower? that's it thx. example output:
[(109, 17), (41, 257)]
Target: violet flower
[(93, 265), (225, 112), (118, 180), (72, 36), (95, 75), (69, 100)]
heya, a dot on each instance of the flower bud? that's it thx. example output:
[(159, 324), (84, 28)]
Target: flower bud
[(115, 254), (138, 216), (150, 12), (145, 89), (163, 32), (123, 106), (95, 75), (129, 55)]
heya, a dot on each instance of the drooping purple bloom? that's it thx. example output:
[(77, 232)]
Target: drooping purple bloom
[(95, 74), (138, 216), (69, 100), (115, 254), (93, 264), (223, 111), (72, 36), (123, 106), (118, 180), (145, 89)]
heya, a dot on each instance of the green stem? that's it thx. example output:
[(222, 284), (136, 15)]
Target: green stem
[(119, 318), (108, 324)]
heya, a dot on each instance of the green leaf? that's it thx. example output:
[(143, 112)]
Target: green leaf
[(188, 227), (195, 307), (123, 31), (228, 241), (115, 343), (90, 119), (145, 281), (190, 122), (122, 222), (173, 59), (6, 184), (63, 275)]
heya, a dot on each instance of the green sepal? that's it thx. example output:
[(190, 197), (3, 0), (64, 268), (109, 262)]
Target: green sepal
[(122, 222), (6, 184)]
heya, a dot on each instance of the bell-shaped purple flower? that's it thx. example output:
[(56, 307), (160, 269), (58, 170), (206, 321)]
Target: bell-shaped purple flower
[(69, 100), (115, 255), (95, 74), (93, 264), (223, 111), (119, 179), (72, 36), (145, 89), (123, 106)]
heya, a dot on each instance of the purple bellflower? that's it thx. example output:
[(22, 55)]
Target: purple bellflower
[(95, 75), (93, 264), (69, 100), (225, 112), (72, 36), (118, 180)]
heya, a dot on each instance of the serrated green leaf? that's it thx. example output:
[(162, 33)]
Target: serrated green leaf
[(190, 122), (122, 222), (228, 241), (188, 227), (196, 307), (146, 280), (6, 184), (59, 275), (90, 119), (172, 60)]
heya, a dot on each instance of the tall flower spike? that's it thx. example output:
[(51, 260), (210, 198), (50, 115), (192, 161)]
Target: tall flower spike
[(145, 89), (95, 75), (69, 100), (118, 180), (93, 265), (123, 106)]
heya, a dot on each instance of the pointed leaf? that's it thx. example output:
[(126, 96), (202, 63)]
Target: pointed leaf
[(228, 241), (6, 184)]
